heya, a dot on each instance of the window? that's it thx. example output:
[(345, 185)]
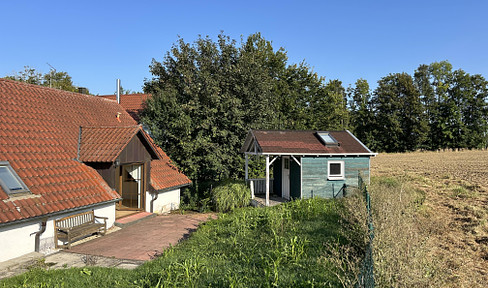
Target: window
[(327, 139), (10, 181), (336, 170), (287, 163)]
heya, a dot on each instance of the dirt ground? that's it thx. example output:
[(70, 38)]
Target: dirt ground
[(456, 200)]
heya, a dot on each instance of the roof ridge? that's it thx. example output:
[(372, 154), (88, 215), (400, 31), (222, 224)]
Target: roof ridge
[(114, 127), (36, 86)]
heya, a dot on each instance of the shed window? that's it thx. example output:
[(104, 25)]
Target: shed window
[(327, 139), (10, 181), (336, 170)]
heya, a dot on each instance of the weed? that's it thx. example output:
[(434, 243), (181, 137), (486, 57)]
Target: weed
[(89, 260)]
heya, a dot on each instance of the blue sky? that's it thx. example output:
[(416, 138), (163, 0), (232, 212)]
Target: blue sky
[(97, 42)]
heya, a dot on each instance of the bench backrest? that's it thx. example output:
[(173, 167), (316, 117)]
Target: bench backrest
[(76, 220)]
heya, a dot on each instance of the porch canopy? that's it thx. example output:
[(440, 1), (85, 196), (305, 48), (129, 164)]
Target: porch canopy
[(274, 144)]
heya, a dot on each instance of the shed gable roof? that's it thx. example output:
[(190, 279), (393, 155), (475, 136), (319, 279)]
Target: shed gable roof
[(291, 142)]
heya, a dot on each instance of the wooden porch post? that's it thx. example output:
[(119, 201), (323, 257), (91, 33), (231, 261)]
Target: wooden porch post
[(246, 169), (267, 180)]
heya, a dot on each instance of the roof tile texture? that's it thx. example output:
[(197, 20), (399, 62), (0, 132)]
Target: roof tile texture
[(39, 132), (306, 142), (132, 103), (104, 144)]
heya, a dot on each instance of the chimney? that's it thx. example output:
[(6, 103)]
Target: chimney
[(82, 90), (118, 91)]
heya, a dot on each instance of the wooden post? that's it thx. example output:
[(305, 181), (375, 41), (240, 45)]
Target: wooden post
[(246, 169), (267, 180)]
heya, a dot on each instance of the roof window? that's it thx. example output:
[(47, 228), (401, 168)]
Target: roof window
[(10, 181), (327, 139)]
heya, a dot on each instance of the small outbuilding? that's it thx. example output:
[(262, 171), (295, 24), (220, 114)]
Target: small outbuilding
[(307, 164)]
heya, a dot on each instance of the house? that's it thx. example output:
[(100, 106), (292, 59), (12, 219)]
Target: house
[(62, 153), (308, 164)]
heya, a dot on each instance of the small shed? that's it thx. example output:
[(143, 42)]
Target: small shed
[(307, 164)]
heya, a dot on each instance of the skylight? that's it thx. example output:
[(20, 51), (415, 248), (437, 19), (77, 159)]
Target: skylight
[(10, 181), (327, 139)]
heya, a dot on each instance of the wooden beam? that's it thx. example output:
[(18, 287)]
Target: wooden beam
[(246, 169), (273, 160), (267, 180), (299, 164)]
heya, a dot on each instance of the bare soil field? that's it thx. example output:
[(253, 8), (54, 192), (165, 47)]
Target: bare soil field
[(454, 214)]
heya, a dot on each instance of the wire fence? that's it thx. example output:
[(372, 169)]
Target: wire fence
[(366, 274)]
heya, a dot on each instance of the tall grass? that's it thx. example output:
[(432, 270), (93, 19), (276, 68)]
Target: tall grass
[(231, 194), (401, 249), (291, 245)]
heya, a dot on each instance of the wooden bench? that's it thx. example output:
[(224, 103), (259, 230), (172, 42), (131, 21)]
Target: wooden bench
[(76, 227)]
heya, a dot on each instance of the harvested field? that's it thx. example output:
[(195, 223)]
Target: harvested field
[(454, 216)]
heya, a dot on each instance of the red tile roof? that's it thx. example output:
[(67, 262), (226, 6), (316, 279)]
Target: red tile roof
[(104, 144), (39, 131), (132, 103), (303, 142), (164, 173)]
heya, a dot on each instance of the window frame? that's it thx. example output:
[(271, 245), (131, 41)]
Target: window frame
[(14, 174), (341, 176)]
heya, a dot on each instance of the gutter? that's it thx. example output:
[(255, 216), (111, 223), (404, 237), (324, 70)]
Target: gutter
[(38, 235), (152, 202), (312, 154), (44, 216)]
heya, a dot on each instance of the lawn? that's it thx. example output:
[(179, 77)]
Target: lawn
[(298, 244)]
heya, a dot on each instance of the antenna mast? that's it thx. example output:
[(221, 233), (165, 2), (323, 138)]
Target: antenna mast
[(51, 78)]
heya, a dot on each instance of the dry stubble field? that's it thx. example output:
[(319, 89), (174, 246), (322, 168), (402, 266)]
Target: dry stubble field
[(455, 213)]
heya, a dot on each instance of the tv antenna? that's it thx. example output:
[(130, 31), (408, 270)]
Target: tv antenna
[(52, 69)]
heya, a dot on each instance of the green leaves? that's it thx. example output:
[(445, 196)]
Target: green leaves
[(207, 95)]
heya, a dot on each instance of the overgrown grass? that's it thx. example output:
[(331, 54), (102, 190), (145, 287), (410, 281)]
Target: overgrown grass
[(402, 229), (297, 244), (230, 195)]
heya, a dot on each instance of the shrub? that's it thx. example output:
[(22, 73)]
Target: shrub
[(231, 194)]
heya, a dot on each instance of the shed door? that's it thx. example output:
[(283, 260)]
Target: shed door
[(285, 193)]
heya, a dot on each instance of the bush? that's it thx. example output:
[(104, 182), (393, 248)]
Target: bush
[(231, 194)]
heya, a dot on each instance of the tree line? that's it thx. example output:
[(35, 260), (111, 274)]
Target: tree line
[(208, 94), (436, 108)]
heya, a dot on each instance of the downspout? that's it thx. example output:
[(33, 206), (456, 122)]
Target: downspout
[(38, 235), (152, 202)]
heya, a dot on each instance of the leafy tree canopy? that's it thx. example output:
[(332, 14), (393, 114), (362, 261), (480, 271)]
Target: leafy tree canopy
[(207, 95), (54, 79)]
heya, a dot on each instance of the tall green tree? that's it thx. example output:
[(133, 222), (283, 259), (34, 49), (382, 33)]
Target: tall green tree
[(207, 95), (329, 107), (362, 115), (400, 117)]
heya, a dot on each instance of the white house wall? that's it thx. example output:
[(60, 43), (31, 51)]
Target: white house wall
[(19, 239), (166, 201)]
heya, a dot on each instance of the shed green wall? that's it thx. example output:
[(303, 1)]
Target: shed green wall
[(314, 175)]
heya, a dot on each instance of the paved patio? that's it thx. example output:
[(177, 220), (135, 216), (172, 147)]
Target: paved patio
[(144, 240), (125, 248)]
